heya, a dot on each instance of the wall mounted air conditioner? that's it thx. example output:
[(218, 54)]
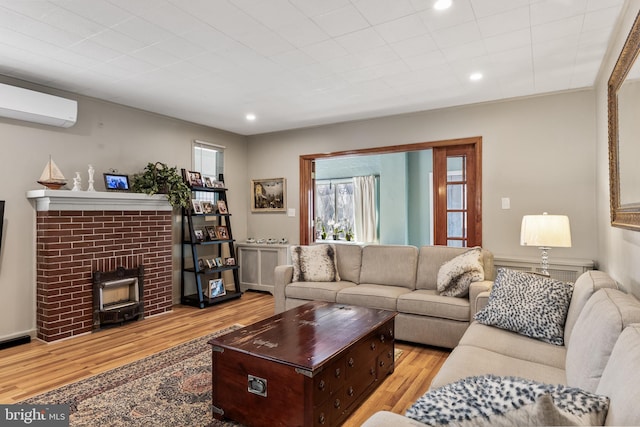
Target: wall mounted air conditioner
[(31, 106)]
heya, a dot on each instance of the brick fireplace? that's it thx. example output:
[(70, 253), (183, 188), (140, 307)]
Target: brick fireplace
[(79, 233)]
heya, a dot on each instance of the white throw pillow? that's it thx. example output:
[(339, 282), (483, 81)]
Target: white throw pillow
[(315, 263), (508, 401), (455, 275), (529, 304)]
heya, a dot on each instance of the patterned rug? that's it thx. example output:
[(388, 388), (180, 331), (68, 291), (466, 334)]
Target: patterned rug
[(170, 388)]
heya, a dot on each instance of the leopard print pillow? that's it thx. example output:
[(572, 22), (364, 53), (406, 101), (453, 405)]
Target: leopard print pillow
[(508, 401), (529, 304), (315, 263)]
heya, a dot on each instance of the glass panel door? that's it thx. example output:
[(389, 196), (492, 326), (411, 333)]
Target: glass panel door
[(455, 183)]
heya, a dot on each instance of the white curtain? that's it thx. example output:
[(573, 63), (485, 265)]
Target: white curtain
[(364, 200)]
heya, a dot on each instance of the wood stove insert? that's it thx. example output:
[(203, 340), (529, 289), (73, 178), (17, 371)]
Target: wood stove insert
[(118, 296)]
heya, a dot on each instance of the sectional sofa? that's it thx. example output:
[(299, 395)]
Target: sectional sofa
[(592, 378), (398, 278)]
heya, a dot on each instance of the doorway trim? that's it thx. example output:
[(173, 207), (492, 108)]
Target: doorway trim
[(307, 168)]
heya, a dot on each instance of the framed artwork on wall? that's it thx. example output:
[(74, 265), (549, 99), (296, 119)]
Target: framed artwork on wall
[(269, 195)]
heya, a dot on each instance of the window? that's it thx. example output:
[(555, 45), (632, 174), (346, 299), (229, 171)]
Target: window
[(334, 208), (208, 159)]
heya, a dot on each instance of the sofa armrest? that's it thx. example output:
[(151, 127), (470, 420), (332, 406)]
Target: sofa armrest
[(386, 419), (479, 295), (283, 276)]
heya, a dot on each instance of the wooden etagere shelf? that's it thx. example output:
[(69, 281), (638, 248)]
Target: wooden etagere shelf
[(209, 263)]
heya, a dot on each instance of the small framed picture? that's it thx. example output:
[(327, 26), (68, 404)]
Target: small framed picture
[(116, 182), (199, 233), (208, 182), (194, 178), (229, 261), (222, 207), (222, 232), (207, 207), (269, 195), (211, 232), (202, 264), (217, 184), (216, 288), (219, 262), (211, 263), (197, 206)]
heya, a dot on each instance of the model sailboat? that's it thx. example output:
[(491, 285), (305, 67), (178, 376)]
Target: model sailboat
[(51, 176)]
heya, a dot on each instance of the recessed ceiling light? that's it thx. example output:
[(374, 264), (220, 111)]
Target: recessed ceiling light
[(250, 117), (475, 77), (442, 4)]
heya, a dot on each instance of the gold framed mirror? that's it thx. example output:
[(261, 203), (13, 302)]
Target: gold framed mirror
[(624, 148)]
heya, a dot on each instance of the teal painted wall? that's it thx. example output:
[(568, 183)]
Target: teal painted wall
[(393, 196), (420, 165)]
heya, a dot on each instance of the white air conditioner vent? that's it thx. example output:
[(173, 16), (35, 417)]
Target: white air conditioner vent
[(37, 107)]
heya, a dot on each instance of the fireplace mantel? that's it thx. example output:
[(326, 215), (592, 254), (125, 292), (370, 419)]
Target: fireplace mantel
[(67, 200)]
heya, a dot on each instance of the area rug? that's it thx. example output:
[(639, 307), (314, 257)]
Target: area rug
[(170, 388)]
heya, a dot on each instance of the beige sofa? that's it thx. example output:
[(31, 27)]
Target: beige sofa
[(601, 353), (397, 278)]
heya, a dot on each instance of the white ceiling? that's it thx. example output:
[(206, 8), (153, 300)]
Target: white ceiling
[(298, 63)]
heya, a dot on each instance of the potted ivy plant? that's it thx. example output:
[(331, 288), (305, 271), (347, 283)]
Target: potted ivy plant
[(158, 178)]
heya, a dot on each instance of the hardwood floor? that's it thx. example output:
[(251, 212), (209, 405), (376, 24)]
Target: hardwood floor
[(36, 367)]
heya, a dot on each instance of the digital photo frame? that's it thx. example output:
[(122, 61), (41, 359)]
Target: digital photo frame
[(116, 182)]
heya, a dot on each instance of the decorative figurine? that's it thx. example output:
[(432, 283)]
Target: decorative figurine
[(76, 182), (91, 171)]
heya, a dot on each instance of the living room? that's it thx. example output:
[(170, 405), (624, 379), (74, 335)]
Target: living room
[(546, 153)]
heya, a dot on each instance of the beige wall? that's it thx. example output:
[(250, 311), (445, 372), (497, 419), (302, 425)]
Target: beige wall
[(539, 152), (107, 136), (619, 249)]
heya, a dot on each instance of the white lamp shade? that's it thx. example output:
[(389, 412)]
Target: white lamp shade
[(545, 231)]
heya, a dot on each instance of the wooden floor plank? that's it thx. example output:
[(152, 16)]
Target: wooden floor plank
[(30, 369)]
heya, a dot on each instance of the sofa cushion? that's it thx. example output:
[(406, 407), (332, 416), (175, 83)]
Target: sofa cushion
[(621, 377), (349, 258), (455, 275), (529, 304), (514, 345), (468, 361), (316, 291), (586, 285), (429, 303), (374, 296), (315, 263), (389, 265), (596, 331), (491, 400)]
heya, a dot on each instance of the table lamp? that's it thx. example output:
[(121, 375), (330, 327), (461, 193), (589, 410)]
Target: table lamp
[(545, 231)]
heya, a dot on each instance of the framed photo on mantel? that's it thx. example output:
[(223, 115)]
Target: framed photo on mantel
[(269, 195)]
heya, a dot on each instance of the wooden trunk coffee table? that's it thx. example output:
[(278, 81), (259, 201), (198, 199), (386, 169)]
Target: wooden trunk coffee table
[(308, 366)]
